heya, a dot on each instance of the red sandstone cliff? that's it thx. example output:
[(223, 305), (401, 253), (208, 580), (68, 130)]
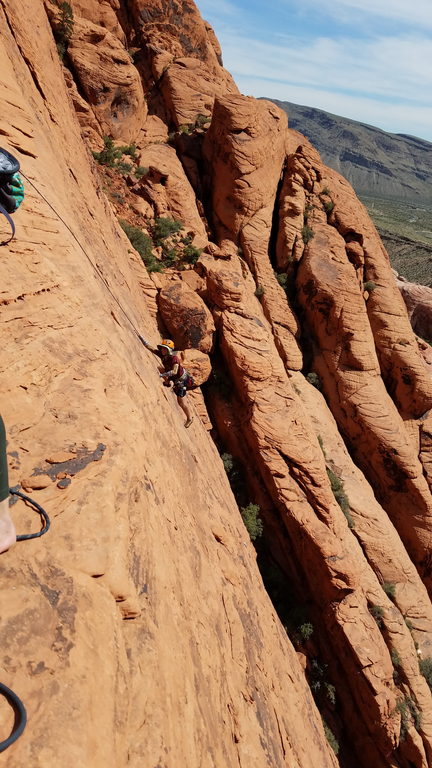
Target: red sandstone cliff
[(292, 280)]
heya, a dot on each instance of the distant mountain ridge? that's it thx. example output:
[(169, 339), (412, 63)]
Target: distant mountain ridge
[(375, 162)]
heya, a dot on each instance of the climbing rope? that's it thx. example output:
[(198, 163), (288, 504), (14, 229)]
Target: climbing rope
[(93, 266), (20, 716), (39, 509)]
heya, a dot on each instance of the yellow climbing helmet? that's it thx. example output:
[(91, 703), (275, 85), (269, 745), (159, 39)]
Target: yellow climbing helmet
[(167, 344)]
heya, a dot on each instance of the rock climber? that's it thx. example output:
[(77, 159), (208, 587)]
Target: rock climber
[(7, 528), (174, 373)]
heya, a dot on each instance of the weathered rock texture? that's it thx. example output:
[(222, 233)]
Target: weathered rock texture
[(292, 283), (418, 300)]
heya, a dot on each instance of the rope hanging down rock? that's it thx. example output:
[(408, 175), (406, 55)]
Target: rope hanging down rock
[(20, 716), (38, 508)]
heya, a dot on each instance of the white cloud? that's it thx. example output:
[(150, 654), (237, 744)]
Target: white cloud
[(221, 8), (383, 78), (417, 13), (389, 67), (391, 76)]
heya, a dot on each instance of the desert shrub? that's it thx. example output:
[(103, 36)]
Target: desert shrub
[(143, 244), (123, 167), (331, 738), (321, 444), (314, 379), (141, 171), (252, 520), (259, 291), (227, 461), (109, 155), (425, 666), (307, 233), (169, 256), (328, 206), (116, 196), (377, 612), (389, 589), (184, 129), (282, 279), (369, 286), (409, 624), (164, 227), (407, 710), (325, 191), (396, 660), (340, 495), (63, 28), (330, 691), (129, 149), (201, 120), (306, 630), (191, 254)]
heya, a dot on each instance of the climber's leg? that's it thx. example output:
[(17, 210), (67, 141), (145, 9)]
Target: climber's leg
[(181, 399)]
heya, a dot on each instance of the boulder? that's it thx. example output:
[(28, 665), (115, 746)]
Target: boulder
[(186, 316)]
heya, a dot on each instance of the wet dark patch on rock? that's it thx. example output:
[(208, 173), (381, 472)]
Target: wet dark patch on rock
[(83, 457)]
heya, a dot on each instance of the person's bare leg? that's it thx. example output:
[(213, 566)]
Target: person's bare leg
[(7, 528), (186, 410)]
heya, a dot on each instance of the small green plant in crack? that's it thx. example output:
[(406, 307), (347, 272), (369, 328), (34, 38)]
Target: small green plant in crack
[(369, 286), (409, 624), (228, 462), (377, 611), (282, 279), (408, 710), (202, 120), (141, 171), (306, 631), (109, 155), (63, 28), (425, 666), (123, 167), (165, 227), (389, 589), (307, 233), (252, 520), (331, 738), (191, 254), (130, 150), (319, 685), (328, 206), (259, 291), (314, 379), (340, 495), (143, 244)]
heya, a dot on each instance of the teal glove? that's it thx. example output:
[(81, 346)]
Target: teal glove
[(17, 189)]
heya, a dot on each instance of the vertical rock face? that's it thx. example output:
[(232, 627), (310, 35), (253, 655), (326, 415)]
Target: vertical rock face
[(282, 281)]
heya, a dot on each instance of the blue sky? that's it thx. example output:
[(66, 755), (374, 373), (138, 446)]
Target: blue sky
[(369, 60)]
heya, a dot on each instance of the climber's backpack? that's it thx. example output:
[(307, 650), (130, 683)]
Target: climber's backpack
[(11, 187)]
